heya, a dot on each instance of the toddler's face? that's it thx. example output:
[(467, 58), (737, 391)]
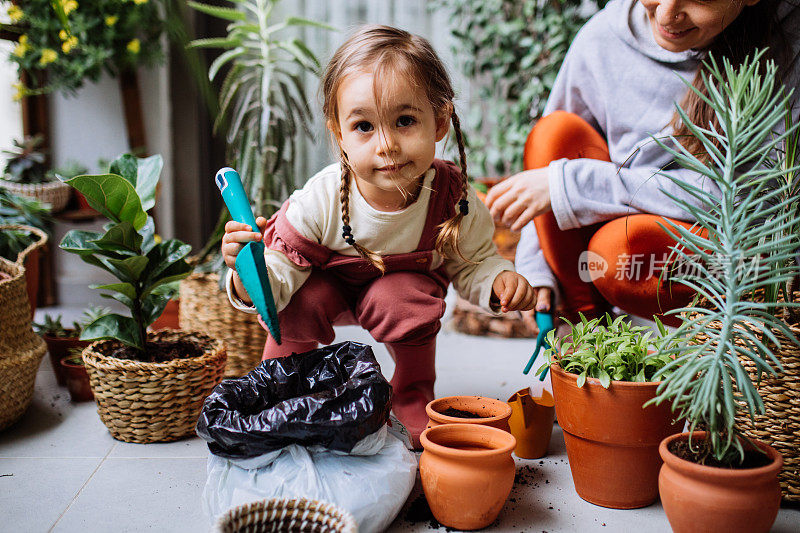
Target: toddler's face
[(680, 25), (389, 147)]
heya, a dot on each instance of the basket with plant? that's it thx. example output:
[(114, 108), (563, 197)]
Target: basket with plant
[(26, 174), (603, 373), (735, 338), (148, 387)]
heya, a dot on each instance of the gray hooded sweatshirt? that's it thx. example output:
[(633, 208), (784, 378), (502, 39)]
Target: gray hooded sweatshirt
[(625, 85)]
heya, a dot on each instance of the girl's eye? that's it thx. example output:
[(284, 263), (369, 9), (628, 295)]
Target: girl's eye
[(363, 127), (405, 120)]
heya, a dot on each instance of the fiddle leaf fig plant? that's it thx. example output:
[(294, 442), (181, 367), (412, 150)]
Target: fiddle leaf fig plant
[(128, 248), (616, 350), (747, 246)]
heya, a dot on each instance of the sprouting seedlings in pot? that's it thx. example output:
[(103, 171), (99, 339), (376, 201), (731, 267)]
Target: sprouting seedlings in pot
[(608, 349)]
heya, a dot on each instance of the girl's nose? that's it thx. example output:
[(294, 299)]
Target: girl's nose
[(387, 143), (669, 13)]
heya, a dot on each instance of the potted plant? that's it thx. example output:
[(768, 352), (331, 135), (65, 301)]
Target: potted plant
[(61, 340), (265, 111), (18, 210), (603, 373), (148, 387), (76, 378), (26, 174), (742, 265)]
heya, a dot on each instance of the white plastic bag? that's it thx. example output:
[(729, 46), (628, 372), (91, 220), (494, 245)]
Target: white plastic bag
[(372, 482)]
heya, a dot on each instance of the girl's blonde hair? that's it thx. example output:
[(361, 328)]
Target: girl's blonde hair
[(391, 51)]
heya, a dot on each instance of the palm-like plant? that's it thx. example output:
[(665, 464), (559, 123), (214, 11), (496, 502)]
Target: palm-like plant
[(747, 247), (262, 100)]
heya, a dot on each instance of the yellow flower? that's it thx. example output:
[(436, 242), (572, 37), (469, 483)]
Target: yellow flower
[(69, 44), (48, 56), (22, 47), (134, 46), (23, 39), (69, 6), (20, 91), (63, 35), (15, 13), (139, 2), (111, 20)]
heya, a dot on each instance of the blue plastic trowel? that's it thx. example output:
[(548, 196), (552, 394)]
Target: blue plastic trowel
[(546, 325), (250, 263)]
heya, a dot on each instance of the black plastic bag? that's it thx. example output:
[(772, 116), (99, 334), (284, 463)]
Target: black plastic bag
[(333, 397)]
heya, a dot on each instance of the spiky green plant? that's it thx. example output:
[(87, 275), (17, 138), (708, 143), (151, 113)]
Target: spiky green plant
[(263, 99), (747, 248)]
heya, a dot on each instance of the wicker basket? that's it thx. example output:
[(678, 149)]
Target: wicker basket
[(779, 426), (299, 515), (21, 350), (204, 308), (55, 193), (153, 402)]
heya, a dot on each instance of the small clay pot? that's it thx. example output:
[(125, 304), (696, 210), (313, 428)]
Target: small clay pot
[(169, 318), (492, 412), (467, 473), (531, 422), (612, 441), (712, 499), (59, 348), (77, 381)]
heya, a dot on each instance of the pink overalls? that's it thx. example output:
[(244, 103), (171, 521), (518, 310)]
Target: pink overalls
[(401, 309)]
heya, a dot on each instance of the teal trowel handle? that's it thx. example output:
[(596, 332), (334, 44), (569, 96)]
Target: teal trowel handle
[(545, 323), (230, 186), (250, 263)]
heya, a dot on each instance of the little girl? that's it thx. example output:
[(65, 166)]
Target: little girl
[(376, 239)]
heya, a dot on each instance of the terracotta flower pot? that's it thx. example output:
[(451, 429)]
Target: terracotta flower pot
[(77, 381), (492, 412), (59, 348), (711, 499), (467, 473), (612, 442), (169, 318), (531, 422)]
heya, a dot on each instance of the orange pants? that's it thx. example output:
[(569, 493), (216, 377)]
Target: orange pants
[(610, 263)]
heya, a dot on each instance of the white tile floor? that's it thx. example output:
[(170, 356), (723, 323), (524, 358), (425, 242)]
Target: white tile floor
[(60, 470)]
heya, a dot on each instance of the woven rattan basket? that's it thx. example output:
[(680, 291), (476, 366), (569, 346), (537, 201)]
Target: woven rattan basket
[(153, 402), (21, 350), (779, 426), (55, 193), (299, 515), (204, 308)]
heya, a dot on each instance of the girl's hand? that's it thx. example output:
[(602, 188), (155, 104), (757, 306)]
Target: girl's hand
[(513, 292), (543, 295), (236, 236), (519, 199)]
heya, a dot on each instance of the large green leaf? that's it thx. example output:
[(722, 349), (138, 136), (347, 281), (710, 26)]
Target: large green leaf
[(163, 255), (125, 166), (129, 269), (121, 238), (126, 289), (113, 196), (149, 171), (80, 241), (152, 307), (114, 326)]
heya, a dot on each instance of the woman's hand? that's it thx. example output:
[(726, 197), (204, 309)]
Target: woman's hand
[(236, 236), (513, 292), (519, 199)]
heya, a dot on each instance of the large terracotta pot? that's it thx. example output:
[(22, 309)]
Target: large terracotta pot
[(467, 473), (492, 412), (699, 498), (612, 442)]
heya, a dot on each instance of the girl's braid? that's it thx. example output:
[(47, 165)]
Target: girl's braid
[(449, 231), (347, 232)]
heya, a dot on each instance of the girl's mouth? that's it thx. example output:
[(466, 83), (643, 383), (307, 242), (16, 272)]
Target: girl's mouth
[(673, 35), (392, 168)]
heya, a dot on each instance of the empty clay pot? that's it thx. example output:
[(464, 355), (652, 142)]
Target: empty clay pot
[(712, 499), (492, 412), (59, 348), (612, 441), (77, 380), (467, 473), (531, 422)]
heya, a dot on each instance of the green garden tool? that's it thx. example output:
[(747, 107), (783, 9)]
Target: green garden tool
[(250, 263), (545, 323)]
